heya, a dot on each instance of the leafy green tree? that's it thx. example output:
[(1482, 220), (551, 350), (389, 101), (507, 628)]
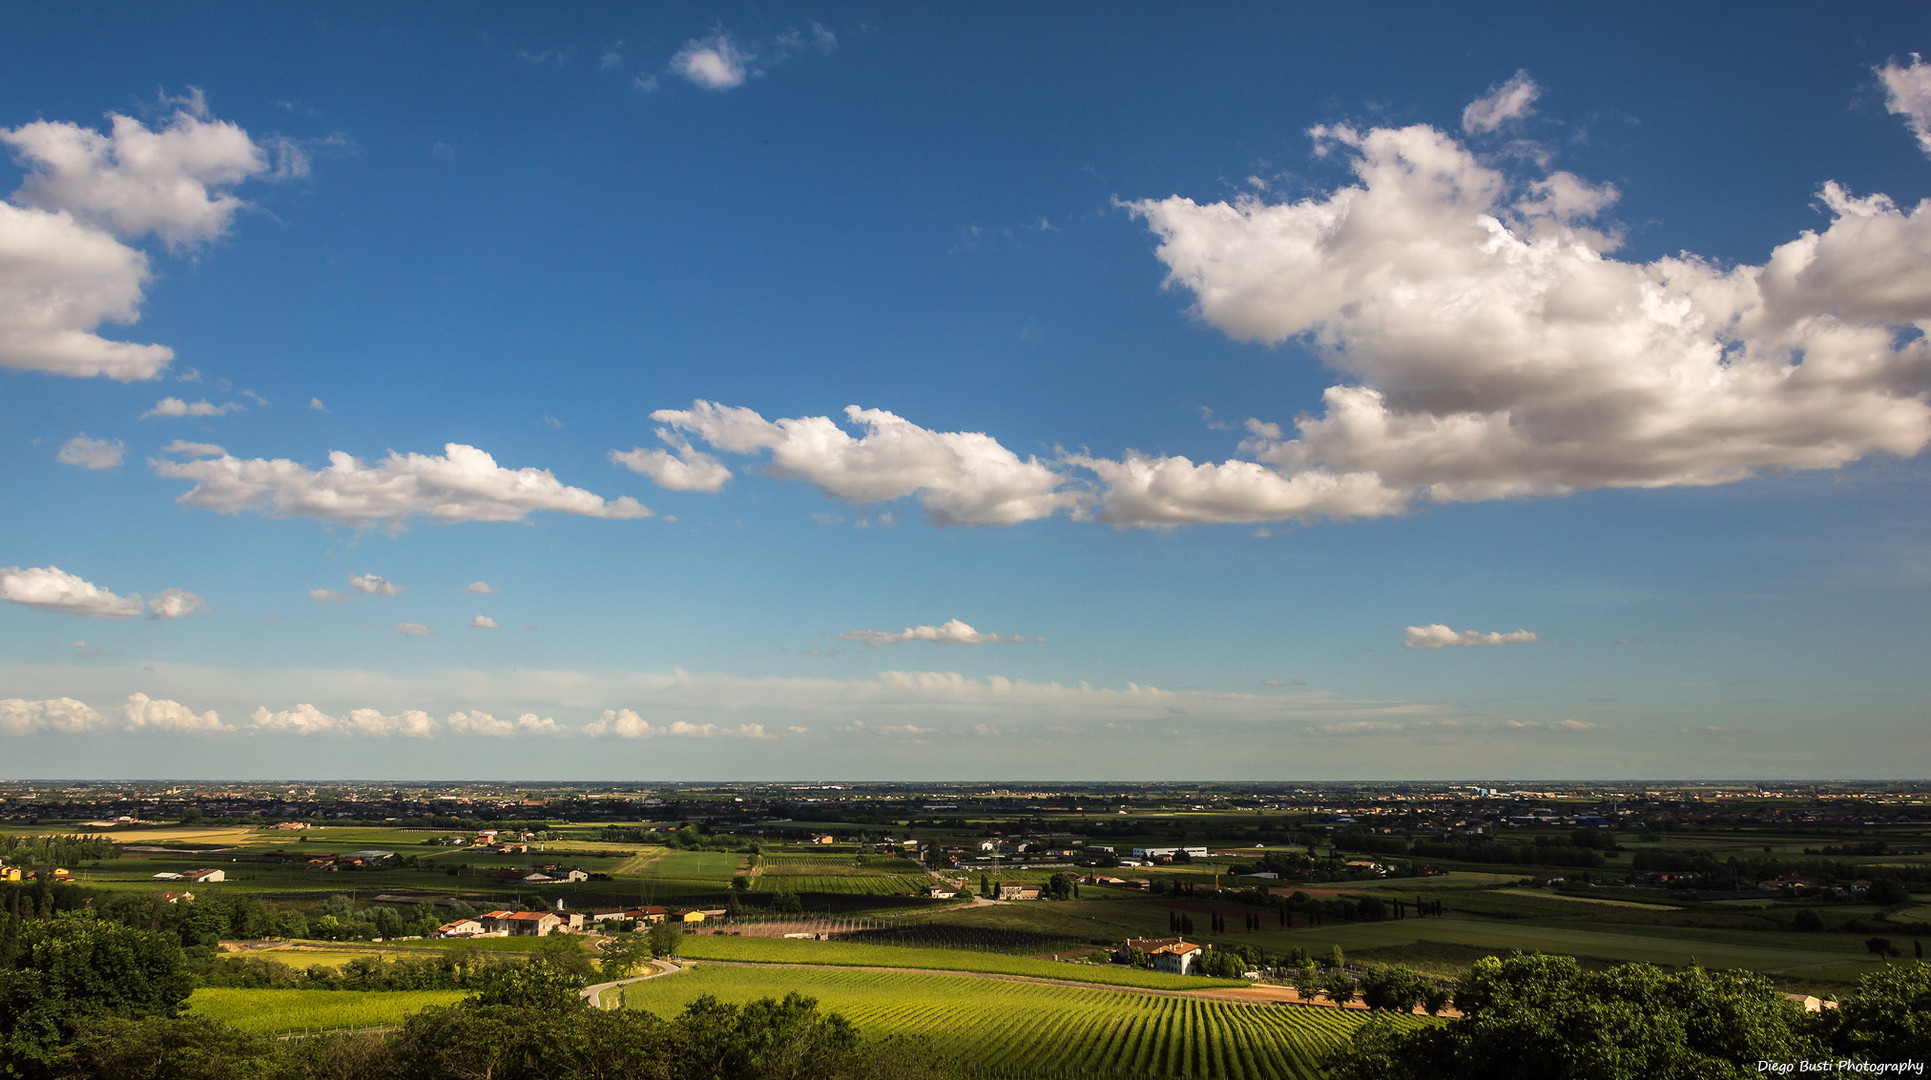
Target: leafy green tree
[(1305, 979), (73, 970), (1435, 998), (619, 956), (1223, 964), (786, 902), (1337, 987), (564, 953), (1392, 989), (763, 1040), (664, 938), (535, 986), (1544, 1018), (159, 1048), (1887, 1018), (466, 1041)]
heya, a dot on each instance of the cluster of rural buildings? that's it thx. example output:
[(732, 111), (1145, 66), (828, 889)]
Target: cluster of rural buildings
[(544, 923), (1171, 954), (15, 873)]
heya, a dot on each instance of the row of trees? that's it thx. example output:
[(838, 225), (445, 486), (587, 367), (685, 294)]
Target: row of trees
[(1544, 1017), (217, 915), (1713, 873), (461, 967), (62, 850)]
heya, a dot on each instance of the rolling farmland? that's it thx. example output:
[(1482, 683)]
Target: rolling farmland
[(1017, 1028), (851, 884), (848, 954), (815, 872)]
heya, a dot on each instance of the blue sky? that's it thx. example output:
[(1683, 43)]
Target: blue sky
[(864, 392)]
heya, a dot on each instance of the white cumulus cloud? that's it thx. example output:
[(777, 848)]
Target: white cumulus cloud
[(174, 603), (462, 484), (474, 722), (306, 719), (1907, 93), (50, 588), (133, 180), (1147, 491), (952, 632), (628, 724), (374, 585), (1490, 344), (58, 716), (721, 61), (66, 266), (1505, 101), (483, 588), (414, 629), (91, 453), (1437, 636), (958, 477), (714, 62), (144, 713), (689, 469), (483, 622)]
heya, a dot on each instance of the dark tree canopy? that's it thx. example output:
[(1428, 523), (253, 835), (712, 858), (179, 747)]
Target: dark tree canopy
[(1544, 1018)]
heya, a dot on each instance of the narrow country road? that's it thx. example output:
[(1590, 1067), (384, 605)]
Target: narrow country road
[(594, 994)]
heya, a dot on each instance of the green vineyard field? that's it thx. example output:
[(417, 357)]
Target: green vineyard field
[(278, 1011), (1012, 1028), (800, 879), (852, 954)]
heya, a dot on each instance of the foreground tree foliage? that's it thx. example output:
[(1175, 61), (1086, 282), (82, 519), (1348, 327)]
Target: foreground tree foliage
[(1544, 1018), (487, 1039), (1887, 1019), (65, 975)]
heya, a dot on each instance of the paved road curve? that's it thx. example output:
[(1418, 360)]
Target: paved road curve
[(594, 994)]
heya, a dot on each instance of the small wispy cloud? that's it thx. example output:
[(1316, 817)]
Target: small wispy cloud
[(1438, 636), (174, 406), (375, 585), (719, 61), (91, 453), (1504, 102), (714, 63), (952, 632)]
